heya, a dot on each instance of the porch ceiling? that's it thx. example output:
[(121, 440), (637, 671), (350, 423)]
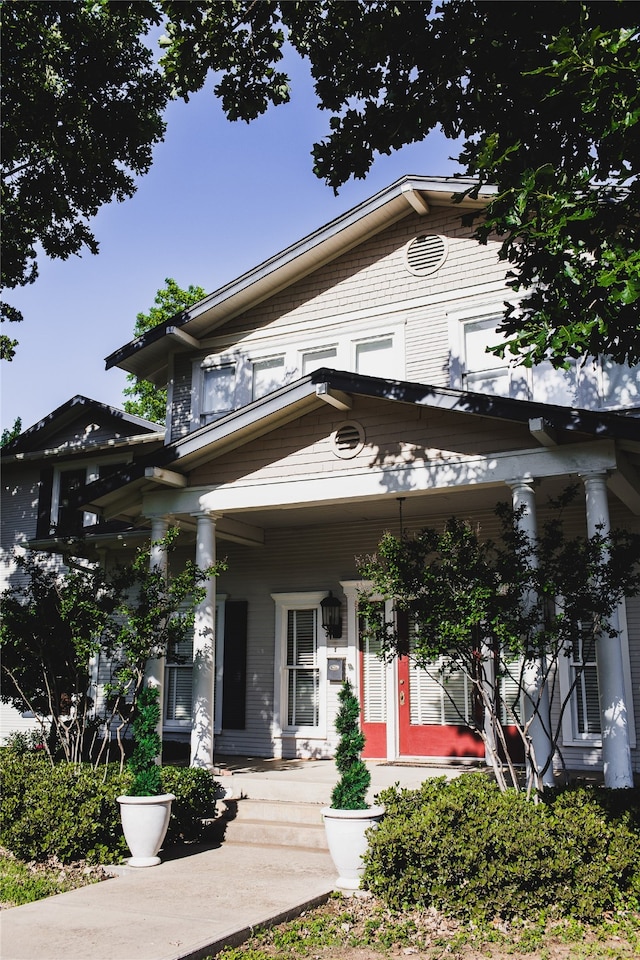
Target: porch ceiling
[(418, 508)]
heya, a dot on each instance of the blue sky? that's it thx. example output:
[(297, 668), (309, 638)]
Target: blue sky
[(220, 198)]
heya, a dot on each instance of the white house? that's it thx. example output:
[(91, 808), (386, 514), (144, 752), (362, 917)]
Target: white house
[(335, 391)]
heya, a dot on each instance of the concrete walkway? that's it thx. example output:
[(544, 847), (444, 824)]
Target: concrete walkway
[(194, 903)]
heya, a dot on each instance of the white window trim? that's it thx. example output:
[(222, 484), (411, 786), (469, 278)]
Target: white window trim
[(284, 603), (570, 736)]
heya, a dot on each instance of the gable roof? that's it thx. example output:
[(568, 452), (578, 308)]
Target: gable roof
[(147, 355), (337, 388), (36, 439)]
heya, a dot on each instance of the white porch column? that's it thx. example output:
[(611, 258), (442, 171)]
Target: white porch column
[(204, 650), (616, 747), (534, 673), (154, 671)]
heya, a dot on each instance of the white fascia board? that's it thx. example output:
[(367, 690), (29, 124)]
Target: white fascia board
[(264, 416), (363, 483)]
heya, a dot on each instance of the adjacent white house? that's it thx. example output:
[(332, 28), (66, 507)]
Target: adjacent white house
[(335, 391)]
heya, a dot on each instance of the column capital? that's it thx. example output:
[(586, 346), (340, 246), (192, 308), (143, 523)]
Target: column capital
[(524, 483), (206, 515), (599, 476)]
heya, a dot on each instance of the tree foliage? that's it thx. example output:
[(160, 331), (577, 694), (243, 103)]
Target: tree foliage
[(82, 108), (543, 103), (54, 623), (149, 400), (486, 610), (10, 433), (49, 631)]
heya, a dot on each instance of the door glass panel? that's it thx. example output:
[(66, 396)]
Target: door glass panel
[(373, 678)]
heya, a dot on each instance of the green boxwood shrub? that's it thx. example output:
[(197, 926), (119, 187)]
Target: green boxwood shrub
[(72, 813), (63, 810), (474, 852), (195, 792)]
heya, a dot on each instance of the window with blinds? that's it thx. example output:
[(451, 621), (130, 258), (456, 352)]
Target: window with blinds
[(583, 673), (303, 675), (440, 695), (178, 677), (373, 677)]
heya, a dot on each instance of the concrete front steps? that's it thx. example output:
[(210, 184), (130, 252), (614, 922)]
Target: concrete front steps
[(273, 810), (279, 823)]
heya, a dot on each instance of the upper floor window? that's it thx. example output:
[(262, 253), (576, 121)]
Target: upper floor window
[(314, 359), (375, 357), (587, 384), (268, 375), (218, 391)]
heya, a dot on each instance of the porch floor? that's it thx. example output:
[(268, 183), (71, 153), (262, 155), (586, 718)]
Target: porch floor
[(312, 781)]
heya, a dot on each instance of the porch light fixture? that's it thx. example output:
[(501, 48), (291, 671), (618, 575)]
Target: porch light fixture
[(331, 619)]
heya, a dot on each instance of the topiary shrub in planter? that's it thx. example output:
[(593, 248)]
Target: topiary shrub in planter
[(349, 818), (145, 810), (467, 849)]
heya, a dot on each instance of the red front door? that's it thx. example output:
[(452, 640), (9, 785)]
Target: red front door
[(427, 716), (373, 698)]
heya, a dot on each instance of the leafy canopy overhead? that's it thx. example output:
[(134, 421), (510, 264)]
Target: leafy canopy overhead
[(82, 108), (544, 103), (150, 401)]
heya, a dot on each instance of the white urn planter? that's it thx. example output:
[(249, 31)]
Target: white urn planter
[(346, 836), (144, 822)]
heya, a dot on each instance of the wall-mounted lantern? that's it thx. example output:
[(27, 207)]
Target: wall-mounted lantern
[(331, 619)]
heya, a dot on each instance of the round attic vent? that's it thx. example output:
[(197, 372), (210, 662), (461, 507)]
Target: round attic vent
[(348, 440), (425, 255)]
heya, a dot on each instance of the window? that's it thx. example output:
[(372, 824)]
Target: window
[(218, 392), (178, 678), (374, 358), (620, 384), (582, 720), (314, 359), (488, 373), (268, 375), (302, 668), (178, 683), (588, 384), (583, 673)]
